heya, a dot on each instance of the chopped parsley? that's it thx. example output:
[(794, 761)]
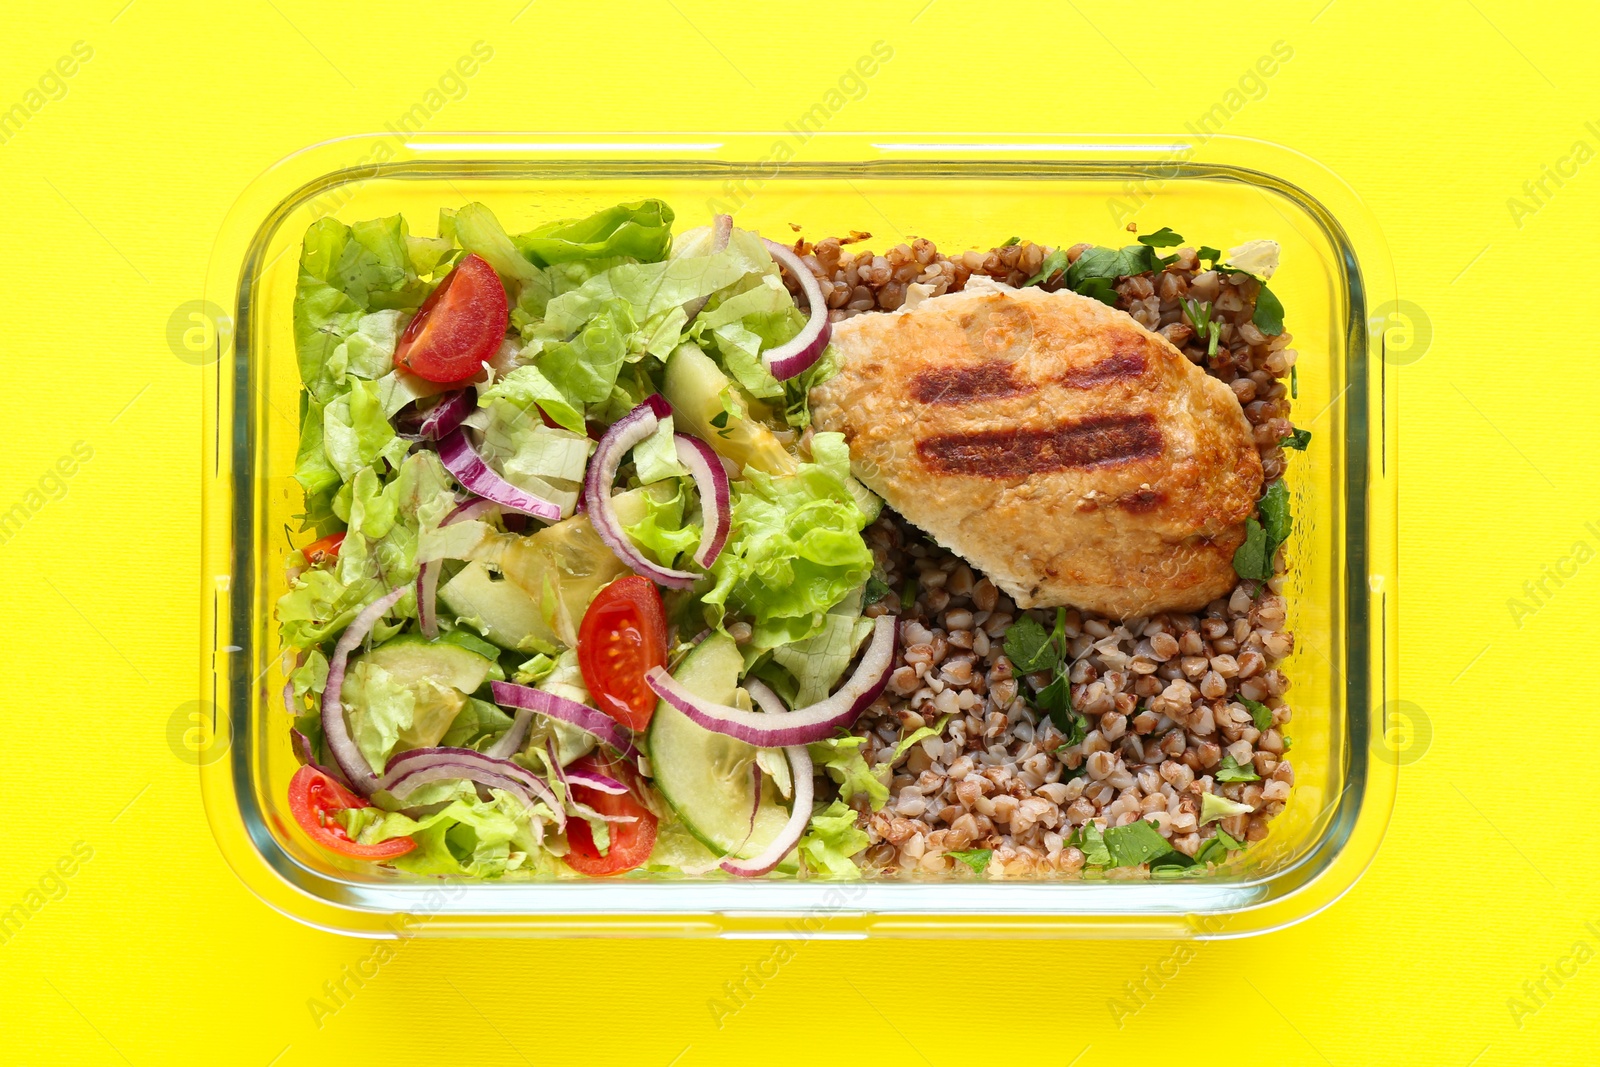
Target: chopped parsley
[(1136, 843), (1091, 841), (1294, 382), (1012, 241), (1198, 313), (1216, 849), (1031, 650), (876, 590), (976, 858), (1297, 439), (908, 595), (1231, 771), (1253, 559), (1207, 252), (1269, 312), (1053, 264), (1260, 714), (1162, 238)]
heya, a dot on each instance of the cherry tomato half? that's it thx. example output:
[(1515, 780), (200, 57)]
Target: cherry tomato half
[(459, 326), (623, 635), (323, 549), (631, 842), (315, 799)]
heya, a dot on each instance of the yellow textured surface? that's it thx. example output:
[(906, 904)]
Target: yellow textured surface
[(1470, 129)]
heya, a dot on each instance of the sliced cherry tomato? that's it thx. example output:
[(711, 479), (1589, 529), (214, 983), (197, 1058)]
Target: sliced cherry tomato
[(315, 799), (623, 635), (459, 327), (323, 549), (631, 842)]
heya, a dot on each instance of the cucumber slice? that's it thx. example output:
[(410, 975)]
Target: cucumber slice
[(498, 609), (439, 674), (694, 385), (410, 658), (705, 776)]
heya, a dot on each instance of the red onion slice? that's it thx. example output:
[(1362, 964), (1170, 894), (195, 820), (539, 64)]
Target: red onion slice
[(721, 230), (428, 570), (600, 783), (804, 348), (469, 468), (335, 731), (585, 718), (626, 432), (510, 742), (407, 771), (438, 420), (716, 507), (799, 815), (797, 727)]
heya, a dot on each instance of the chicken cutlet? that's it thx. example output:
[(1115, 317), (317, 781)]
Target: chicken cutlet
[(1070, 454)]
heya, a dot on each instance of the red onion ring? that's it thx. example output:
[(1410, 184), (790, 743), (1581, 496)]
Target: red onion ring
[(510, 742), (407, 771), (442, 418), (721, 230), (716, 508), (626, 432), (601, 726), (335, 731), (799, 814), (600, 783), (469, 468), (804, 348), (797, 727)]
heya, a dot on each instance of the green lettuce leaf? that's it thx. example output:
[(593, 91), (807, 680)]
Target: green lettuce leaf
[(528, 390), (641, 230), (820, 660), (796, 549), (356, 432), (1091, 841), (664, 532), (472, 837), (841, 758), (480, 233), (1215, 849), (976, 858), (830, 840)]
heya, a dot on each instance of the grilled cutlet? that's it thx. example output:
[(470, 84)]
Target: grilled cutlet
[(1057, 445)]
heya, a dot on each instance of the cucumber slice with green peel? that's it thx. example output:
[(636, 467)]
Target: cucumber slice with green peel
[(438, 674), (705, 776), (498, 609), (694, 385), (410, 658)]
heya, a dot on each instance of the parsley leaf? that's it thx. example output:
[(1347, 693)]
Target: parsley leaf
[(1298, 439), (1216, 849), (1275, 517), (876, 590), (1091, 842), (1231, 771), (1260, 714), (1030, 648), (1136, 843), (1055, 700), (1269, 312), (1139, 259), (1207, 252), (1101, 289), (976, 858), (1162, 238), (1253, 559), (1054, 263)]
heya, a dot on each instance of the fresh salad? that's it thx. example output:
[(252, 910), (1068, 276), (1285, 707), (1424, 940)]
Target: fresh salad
[(577, 585)]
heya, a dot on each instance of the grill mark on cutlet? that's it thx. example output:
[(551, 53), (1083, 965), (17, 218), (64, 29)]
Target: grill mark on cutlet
[(964, 385), (997, 381), (1098, 442), (1114, 368)]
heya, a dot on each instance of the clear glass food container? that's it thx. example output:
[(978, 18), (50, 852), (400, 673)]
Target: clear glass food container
[(961, 191)]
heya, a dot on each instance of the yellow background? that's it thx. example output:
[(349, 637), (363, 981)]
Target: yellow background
[(1436, 113)]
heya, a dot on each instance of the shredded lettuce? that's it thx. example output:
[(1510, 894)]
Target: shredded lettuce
[(664, 532), (472, 837), (796, 548), (641, 230), (818, 661), (841, 759), (830, 840)]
